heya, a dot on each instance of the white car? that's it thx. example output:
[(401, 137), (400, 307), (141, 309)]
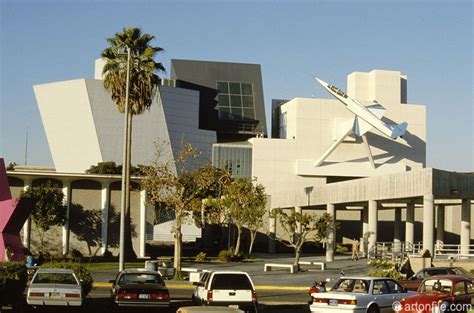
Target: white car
[(359, 294), (226, 288), (58, 287)]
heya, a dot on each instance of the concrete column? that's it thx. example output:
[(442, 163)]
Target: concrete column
[(465, 227), (298, 225), (331, 243), (272, 231), (27, 225), (396, 230), (428, 223), (67, 203), (439, 226), (373, 219), (142, 251), (105, 200), (410, 225), (365, 232)]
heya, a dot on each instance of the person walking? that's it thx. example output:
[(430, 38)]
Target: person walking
[(355, 250)]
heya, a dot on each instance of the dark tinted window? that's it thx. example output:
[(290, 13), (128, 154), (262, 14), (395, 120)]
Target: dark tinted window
[(139, 278), (231, 281), (432, 272)]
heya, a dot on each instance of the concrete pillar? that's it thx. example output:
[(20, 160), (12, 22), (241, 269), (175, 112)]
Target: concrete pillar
[(27, 225), (105, 200), (67, 203), (298, 225), (396, 230), (142, 251), (272, 231), (465, 227), (428, 223), (372, 226), (365, 232), (410, 226), (439, 226), (331, 243)]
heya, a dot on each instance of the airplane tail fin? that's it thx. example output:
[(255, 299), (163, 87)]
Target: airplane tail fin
[(399, 130)]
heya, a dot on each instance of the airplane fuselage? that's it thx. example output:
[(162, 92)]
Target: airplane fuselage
[(358, 109)]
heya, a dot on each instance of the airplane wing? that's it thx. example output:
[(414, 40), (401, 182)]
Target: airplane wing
[(360, 126), (377, 109)]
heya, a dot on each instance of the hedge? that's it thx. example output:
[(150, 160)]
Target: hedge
[(13, 279)]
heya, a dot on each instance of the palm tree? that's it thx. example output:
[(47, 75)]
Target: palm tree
[(143, 84)]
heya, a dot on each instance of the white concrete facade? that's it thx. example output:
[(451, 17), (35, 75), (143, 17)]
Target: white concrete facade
[(312, 127)]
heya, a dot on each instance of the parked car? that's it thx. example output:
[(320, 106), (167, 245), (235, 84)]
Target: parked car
[(359, 294), (414, 282), (226, 288), (164, 266), (443, 293), (139, 288), (210, 309), (55, 287)]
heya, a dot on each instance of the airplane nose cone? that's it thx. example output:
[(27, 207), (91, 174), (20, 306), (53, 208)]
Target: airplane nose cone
[(323, 83)]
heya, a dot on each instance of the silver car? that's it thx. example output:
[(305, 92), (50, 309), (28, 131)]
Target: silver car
[(359, 295), (55, 287)]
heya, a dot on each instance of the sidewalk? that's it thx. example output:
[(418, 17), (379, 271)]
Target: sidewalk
[(274, 280)]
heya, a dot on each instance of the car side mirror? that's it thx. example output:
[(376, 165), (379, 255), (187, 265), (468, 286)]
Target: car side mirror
[(112, 281)]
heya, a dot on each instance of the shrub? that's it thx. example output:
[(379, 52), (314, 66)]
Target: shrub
[(200, 257), (13, 278), (107, 254), (76, 253), (341, 249), (225, 255), (82, 273)]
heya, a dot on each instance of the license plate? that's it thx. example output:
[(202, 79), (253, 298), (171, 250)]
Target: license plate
[(233, 306), (332, 302), (143, 296), (54, 294)]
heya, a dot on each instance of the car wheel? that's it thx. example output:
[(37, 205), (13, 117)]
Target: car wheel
[(373, 309)]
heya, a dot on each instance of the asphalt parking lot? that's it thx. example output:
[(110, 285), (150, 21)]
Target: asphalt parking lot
[(277, 290)]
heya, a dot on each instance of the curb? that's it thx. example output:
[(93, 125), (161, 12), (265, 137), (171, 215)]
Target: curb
[(185, 286)]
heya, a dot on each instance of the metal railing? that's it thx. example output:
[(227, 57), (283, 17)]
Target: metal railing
[(399, 250), (453, 251)]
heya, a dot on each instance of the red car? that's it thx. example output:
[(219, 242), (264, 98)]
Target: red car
[(414, 282), (443, 293)]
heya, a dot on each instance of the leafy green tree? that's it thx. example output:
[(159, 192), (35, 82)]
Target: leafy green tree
[(313, 228), (171, 183), (48, 210), (254, 217), (244, 204), (144, 82), (11, 166)]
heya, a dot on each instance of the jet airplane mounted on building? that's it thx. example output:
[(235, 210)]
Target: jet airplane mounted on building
[(367, 117)]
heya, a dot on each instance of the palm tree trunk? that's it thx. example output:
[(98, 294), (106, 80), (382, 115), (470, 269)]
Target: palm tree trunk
[(178, 239), (129, 252)]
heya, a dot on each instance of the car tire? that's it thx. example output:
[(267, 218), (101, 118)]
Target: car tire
[(373, 309)]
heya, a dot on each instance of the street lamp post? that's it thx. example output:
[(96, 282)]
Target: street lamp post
[(125, 168)]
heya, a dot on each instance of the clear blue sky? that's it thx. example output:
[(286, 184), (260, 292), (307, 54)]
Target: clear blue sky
[(429, 41)]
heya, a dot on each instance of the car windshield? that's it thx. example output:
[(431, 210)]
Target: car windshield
[(231, 281), (55, 278), (139, 278), (460, 271), (352, 285), (436, 285)]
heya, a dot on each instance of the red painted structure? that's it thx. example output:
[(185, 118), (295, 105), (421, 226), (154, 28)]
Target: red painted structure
[(13, 214)]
